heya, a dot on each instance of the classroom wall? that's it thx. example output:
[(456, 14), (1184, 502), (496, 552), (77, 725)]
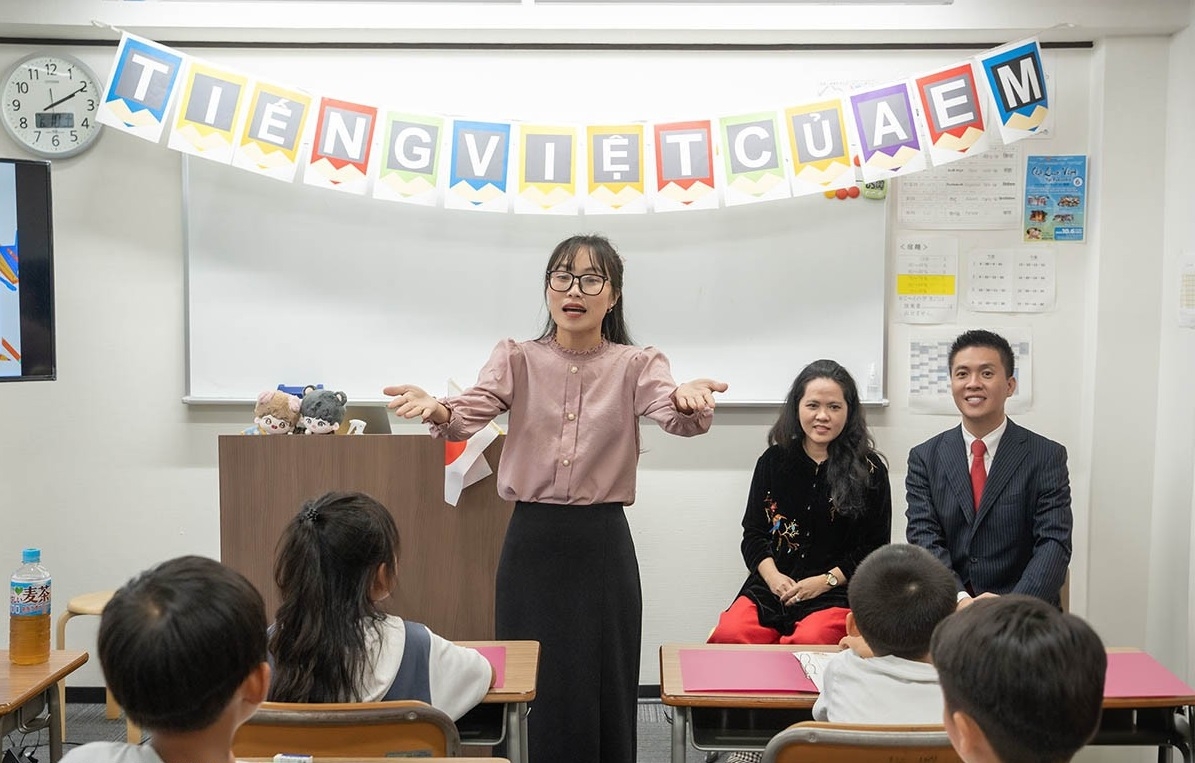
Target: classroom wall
[(109, 472)]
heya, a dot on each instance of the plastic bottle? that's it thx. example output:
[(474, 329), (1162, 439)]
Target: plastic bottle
[(29, 611)]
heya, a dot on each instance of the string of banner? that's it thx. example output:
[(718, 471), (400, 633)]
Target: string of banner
[(867, 135)]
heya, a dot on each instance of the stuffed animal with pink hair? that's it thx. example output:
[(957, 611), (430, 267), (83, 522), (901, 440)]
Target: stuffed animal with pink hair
[(276, 412)]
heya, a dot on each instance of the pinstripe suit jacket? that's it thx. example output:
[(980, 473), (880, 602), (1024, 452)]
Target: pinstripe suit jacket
[(1019, 541)]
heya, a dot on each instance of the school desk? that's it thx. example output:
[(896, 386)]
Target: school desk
[(1144, 704), (27, 690), (503, 711)]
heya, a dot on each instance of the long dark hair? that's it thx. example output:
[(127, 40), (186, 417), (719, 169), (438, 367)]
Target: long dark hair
[(848, 470), (325, 568), (606, 261)]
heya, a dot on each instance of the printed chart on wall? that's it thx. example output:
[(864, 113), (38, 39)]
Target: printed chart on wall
[(10, 271), (929, 372)]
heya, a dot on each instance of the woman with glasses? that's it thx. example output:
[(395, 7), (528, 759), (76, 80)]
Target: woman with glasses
[(568, 576)]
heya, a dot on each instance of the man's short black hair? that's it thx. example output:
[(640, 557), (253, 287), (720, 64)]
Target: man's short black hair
[(898, 596), (983, 338), (178, 640), (1031, 677)]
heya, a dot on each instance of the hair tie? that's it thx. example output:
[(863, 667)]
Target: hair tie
[(309, 513)]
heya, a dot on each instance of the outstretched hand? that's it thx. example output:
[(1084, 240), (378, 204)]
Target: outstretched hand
[(411, 401), (697, 395)]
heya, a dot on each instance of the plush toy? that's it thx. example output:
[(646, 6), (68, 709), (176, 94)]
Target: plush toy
[(275, 413), (322, 410)]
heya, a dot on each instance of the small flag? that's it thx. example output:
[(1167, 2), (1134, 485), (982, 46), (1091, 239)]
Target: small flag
[(465, 464)]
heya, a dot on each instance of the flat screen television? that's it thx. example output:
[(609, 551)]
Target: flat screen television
[(26, 272)]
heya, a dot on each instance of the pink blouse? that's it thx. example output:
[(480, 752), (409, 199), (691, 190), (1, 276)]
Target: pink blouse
[(574, 417)]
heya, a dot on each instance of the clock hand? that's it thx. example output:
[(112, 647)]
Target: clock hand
[(67, 98)]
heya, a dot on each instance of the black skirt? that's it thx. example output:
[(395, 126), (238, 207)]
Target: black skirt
[(568, 578)]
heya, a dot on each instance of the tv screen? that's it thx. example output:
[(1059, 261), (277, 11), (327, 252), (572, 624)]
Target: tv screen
[(26, 272)]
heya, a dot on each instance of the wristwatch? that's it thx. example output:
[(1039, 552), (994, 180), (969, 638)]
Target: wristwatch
[(831, 579)]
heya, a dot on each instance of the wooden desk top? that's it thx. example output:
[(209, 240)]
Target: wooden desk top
[(672, 687), (21, 683), (672, 691), (383, 760), (522, 667)]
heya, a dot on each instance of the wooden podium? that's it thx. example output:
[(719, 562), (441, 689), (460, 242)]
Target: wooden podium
[(448, 555)]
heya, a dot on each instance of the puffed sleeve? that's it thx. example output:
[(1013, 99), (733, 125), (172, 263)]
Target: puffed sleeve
[(757, 536), (491, 395), (654, 386)]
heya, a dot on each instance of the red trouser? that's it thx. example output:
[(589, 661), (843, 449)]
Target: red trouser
[(740, 625)]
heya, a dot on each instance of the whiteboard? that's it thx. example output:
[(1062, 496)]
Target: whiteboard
[(289, 284)]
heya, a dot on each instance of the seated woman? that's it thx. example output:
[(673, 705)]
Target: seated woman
[(337, 561), (819, 503)]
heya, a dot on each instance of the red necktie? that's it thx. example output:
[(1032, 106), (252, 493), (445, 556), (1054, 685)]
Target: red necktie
[(979, 474)]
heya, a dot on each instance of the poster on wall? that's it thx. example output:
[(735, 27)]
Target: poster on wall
[(1186, 294), (926, 279), (1055, 198)]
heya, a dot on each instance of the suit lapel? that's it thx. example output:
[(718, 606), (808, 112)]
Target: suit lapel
[(957, 472), (1010, 453)]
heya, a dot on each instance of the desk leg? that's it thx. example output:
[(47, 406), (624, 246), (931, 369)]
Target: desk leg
[(56, 717), (680, 723), (516, 731)]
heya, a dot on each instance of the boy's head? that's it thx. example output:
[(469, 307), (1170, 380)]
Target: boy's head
[(1022, 682), (178, 641), (898, 596)]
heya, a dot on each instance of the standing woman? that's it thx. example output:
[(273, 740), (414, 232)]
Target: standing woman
[(568, 576), (819, 503)]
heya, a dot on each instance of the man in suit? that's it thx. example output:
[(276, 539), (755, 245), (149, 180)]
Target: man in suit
[(991, 499)]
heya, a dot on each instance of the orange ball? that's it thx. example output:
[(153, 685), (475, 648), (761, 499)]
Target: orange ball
[(841, 193), (853, 192)]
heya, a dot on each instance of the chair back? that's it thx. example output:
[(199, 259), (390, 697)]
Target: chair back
[(348, 730), (814, 741)]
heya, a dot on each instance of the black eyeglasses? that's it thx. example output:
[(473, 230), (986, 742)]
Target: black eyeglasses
[(591, 283)]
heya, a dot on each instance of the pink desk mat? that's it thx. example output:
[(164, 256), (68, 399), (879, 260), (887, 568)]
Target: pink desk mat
[(497, 657), (1136, 674), (704, 670)]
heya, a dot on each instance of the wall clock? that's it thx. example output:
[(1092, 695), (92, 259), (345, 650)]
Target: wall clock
[(49, 105)]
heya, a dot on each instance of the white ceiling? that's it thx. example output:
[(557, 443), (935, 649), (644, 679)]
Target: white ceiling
[(629, 21)]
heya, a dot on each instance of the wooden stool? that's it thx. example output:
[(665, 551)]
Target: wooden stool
[(89, 604)]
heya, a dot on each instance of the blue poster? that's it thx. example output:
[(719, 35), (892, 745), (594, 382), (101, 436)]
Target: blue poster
[(1055, 198)]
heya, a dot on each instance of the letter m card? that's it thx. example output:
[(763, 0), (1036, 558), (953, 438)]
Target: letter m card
[(1018, 86)]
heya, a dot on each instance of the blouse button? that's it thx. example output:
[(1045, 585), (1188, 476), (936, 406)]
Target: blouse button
[(565, 462), (572, 416), (572, 370)]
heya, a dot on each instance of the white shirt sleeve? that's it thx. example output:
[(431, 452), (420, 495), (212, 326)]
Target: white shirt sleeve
[(459, 676), (821, 708)]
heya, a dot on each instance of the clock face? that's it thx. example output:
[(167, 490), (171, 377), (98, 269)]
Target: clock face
[(49, 105)]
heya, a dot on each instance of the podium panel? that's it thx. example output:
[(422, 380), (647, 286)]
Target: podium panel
[(448, 556)]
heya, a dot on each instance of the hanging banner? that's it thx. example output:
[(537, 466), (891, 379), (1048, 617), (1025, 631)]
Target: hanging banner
[(548, 171), (952, 112), (616, 169), (140, 87), (273, 129), (887, 132), (343, 142), (210, 103), (820, 149), (1018, 85), (685, 166), (410, 157), (480, 163), (752, 155)]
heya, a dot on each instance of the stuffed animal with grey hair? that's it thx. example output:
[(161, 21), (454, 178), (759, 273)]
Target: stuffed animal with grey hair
[(321, 410)]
